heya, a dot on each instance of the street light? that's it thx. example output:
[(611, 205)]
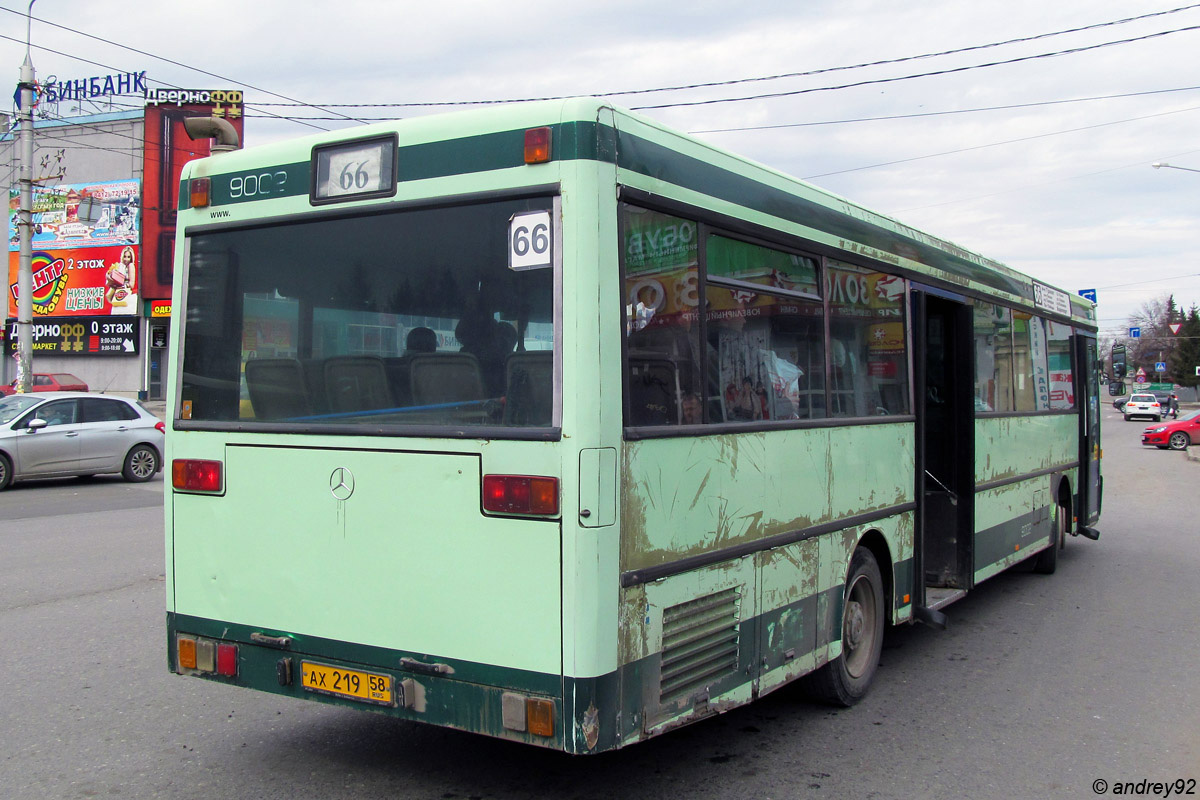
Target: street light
[(1161, 164)]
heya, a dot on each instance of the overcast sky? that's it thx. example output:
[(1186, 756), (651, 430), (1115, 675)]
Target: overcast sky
[(1060, 187)]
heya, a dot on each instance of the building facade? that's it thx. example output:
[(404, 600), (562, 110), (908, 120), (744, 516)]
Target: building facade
[(104, 203)]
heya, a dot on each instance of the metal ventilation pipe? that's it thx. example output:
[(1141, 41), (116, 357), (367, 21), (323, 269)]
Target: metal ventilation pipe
[(213, 128)]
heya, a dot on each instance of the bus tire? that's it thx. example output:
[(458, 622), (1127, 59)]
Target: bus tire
[(141, 464), (845, 680), (1046, 562)]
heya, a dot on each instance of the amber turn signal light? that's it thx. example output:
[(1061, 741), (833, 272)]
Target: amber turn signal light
[(198, 192), (537, 145)]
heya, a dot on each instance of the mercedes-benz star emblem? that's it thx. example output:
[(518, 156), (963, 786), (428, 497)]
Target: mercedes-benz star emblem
[(341, 483)]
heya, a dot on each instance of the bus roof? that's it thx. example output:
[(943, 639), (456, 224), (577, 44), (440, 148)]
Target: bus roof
[(655, 159)]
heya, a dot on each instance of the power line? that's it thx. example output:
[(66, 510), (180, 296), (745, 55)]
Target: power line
[(892, 117), (950, 71), (758, 79), (998, 144), (1027, 187), (118, 69), (171, 61)]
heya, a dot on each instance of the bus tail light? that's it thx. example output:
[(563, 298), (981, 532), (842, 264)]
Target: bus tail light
[(198, 191), (520, 494), (196, 475), (227, 660), (206, 656), (537, 145)]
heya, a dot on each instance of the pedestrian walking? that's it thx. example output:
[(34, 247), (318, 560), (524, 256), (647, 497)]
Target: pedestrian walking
[(1173, 406)]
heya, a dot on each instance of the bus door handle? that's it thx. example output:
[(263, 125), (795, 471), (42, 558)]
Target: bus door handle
[(412, 665)]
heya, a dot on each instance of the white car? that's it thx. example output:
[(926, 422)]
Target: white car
[(51, 434), (1143, 405)]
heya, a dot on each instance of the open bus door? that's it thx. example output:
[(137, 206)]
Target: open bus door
[(1091, 482), (945, 470)]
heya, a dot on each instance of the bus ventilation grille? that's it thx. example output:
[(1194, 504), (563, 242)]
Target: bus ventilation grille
[(700, 644)]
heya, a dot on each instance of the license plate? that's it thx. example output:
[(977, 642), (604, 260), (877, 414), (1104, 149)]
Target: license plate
[(368, 687)]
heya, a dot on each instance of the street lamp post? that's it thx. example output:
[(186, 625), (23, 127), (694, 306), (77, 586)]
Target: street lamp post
[(25, 221), (1163, 164)]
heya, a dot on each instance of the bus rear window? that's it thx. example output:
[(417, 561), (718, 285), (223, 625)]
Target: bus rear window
[(409, 318)]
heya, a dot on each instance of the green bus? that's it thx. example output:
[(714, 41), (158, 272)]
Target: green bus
[(550, 423)]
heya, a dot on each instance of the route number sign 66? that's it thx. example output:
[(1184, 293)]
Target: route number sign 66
[(529, 240)]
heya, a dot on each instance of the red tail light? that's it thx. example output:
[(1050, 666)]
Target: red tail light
[(520, 494), (161, 427), (195, 475), (227, 659)]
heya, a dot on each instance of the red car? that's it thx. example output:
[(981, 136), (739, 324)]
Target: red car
[(49, 382), (1176, 434)]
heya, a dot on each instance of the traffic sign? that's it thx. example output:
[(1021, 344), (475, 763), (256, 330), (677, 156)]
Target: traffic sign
[(1160, 366), (1140, 379), (1175, 326), (1089, 294), (1135, 333)]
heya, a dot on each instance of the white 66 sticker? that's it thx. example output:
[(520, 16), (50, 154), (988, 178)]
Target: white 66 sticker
[(529, 240)]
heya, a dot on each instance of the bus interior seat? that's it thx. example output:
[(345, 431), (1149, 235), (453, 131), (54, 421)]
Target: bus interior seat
[(277, 388), (314, 379), (652, 390), (529, 379), (356, 383), (399, 378), (445, 378)]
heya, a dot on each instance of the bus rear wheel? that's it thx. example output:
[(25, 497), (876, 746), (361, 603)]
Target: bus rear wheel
[(1046, 562), (845, 680)]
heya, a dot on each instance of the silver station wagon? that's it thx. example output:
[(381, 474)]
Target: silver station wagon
[(51, 434)]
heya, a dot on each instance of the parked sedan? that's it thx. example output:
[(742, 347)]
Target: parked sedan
[(53, 434), (49, 382), (1176, 434)]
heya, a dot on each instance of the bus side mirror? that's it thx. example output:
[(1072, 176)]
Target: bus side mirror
[(1116, 388), (1118, 361)]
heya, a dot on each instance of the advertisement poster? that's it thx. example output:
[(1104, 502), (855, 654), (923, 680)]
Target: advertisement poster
[(76, 215), (81, 336), (93, 281)]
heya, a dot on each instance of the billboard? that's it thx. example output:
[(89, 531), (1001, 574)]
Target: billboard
[(81, 282), (81, 215), (81, 336), (167, 149)]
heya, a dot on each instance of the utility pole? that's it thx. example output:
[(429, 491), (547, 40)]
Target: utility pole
[(25, 220)]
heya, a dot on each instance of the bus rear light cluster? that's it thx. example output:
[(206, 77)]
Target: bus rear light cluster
[(195, 475), (206, 656), (520, 494), (527, 714)]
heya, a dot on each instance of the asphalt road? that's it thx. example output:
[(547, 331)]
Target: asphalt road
[(1040, 686)]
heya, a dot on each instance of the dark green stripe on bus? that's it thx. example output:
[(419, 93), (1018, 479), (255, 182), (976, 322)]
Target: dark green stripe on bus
[(577, 140)]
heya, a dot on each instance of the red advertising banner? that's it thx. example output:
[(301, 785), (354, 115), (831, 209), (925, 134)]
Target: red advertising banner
[(95, 281), (168, 148)]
